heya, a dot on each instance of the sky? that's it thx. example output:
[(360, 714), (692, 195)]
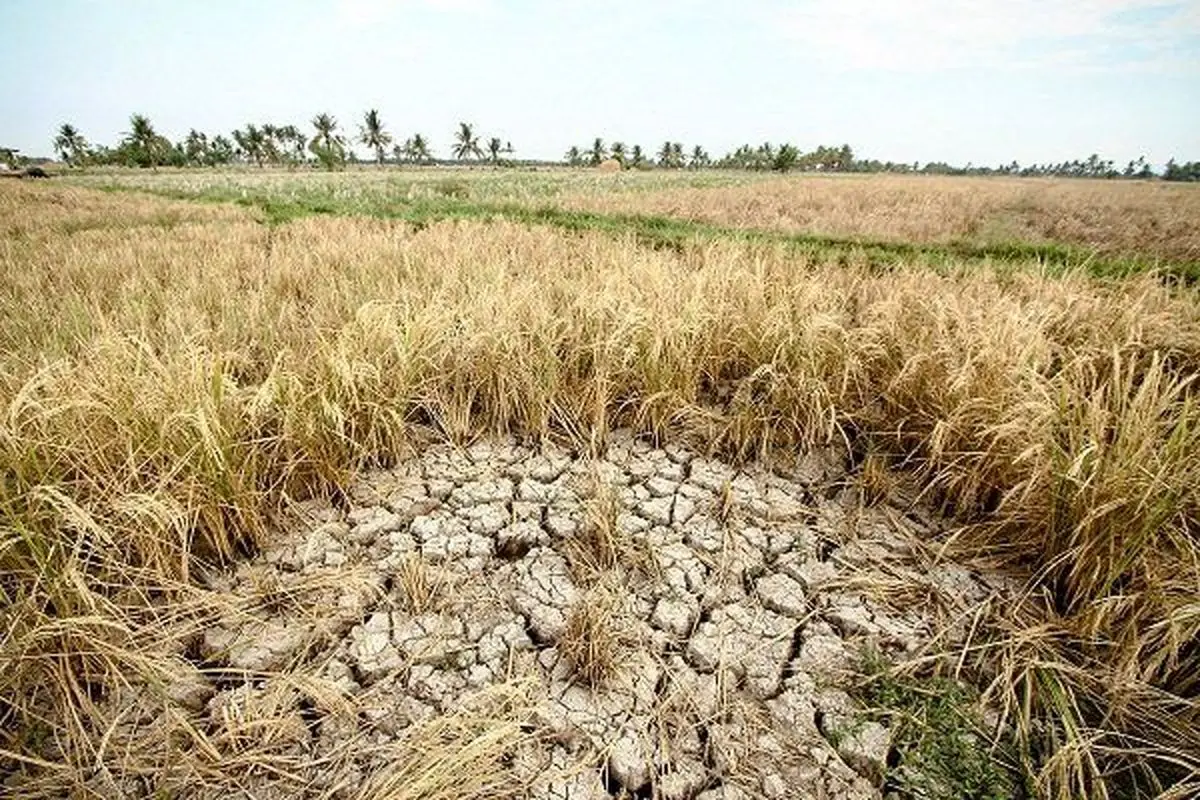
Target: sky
[(982, 81)]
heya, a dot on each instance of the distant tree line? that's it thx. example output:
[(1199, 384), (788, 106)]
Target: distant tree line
[(785, 157), (328, 146), (271, 144)]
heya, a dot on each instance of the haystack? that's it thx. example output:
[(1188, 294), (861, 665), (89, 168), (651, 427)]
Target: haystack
[(609, 165)]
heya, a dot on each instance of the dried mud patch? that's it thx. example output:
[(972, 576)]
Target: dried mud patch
[(504, 621)]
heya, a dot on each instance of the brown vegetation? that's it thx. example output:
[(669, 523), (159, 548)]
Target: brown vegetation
[(164, 387)]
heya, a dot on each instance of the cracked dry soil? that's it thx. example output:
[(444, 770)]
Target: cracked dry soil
[(733, 609)]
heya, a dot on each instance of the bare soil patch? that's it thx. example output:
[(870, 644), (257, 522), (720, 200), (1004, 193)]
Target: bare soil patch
[(656, 623)]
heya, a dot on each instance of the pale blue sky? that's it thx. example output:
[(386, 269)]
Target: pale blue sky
[(959, 80)]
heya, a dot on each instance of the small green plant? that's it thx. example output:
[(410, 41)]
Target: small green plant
[(330, 158), (942, 751)]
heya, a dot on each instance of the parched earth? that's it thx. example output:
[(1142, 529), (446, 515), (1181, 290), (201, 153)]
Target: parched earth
[(683, 629)]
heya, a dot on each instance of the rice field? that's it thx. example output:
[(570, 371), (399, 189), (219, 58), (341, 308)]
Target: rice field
[(1144, 220), (185, 354), (1139, 218)]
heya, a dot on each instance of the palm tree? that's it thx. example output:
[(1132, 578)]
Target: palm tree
[(420, 149), (845, 157), (785, 158), (291, 135), (414, 149), (372, 134), (495, 148), (574, 157), (70, 144), (195, 147), (596, 154), (272, 143), (241, 143), (220, 151), (141, 131), (636, 157), (664, 155), (699, 158), (742, 158), (467, 143), (327, 145), (326, 126), (253, 143), (618, 152), (143, 143)]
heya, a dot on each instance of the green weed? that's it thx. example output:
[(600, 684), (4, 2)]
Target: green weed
[(940, 749)]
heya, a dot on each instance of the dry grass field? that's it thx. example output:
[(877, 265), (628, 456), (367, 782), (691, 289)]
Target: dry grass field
[(173, 373), (1145, 218)]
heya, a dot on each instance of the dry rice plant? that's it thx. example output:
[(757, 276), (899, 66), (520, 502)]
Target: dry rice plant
[(598, 539), (164, 389), (591, 642), (460, 755), (600, 546), (421, 586), (874, 479), (60, 209)]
